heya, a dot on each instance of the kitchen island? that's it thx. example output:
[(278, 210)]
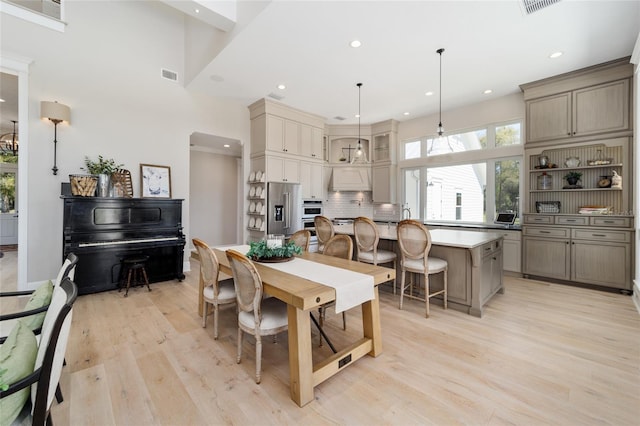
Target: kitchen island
[(475, 263)]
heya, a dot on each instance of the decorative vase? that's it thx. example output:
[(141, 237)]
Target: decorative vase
[(572, 180), (104, 185)]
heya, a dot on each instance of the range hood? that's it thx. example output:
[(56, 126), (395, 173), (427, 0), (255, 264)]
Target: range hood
[(351, 179)]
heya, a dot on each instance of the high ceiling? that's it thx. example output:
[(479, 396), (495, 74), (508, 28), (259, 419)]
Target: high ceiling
[(488, 45)]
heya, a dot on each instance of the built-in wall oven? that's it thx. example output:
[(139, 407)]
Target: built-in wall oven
[(311, 209)]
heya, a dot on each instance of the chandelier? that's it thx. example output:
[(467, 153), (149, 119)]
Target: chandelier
[(9, 142)]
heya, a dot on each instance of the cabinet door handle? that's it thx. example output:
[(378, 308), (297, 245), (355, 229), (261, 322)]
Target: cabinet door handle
[(570, 220), (598, 235), (608, 221), (544, 232)]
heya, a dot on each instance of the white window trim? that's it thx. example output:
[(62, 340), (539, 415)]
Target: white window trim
[(33, 16)]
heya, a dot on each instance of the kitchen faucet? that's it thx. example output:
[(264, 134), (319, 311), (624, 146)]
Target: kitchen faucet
[(408, 210)]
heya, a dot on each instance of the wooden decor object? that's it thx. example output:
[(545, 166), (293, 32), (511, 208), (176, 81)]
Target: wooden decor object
[(123, 177)]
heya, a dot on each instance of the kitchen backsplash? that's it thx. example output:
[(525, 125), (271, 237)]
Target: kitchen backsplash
[(353, 204)]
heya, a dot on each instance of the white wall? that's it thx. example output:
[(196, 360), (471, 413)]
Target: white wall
[(505, 108), (106, 67), (214, 198)]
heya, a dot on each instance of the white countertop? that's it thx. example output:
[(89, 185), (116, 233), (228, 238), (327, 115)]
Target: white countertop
[(441, 237)]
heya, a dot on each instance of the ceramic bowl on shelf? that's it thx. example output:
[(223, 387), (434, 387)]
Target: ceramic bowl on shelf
[(259, 175), (259, 207), (252, 207), (252, 176), (572, 162), (252, 222), (259, 191), (259, 223), (252, 191)]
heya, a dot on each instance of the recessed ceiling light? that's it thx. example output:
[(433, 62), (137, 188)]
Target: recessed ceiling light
[(226, 145), (555, 55), (281, 86), (429, 94), (355, 43), (197, 10), (1, 100), (406, 113), (486, 92), (357, 115)]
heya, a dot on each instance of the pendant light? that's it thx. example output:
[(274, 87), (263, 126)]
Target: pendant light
[(440, 128), (441, 141), (359, 146), (9, 141)]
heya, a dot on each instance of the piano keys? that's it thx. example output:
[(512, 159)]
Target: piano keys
[(104, 231)]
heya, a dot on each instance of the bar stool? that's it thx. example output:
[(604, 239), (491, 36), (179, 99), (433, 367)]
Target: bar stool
[(133, 268)]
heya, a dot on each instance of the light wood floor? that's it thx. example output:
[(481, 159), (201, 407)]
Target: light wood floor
[(542, 354)]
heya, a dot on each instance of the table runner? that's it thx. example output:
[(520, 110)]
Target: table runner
[(352, 288)]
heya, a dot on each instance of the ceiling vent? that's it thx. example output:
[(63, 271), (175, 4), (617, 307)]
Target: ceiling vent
[(169, 75), (530, 6), (337, 117), (275, 96)]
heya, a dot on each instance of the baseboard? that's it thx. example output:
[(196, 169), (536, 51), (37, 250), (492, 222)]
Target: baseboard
[(186, 266), (636, 295)]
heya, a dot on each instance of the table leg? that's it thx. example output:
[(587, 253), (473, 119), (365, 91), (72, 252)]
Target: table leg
[(300, 359), (371, 323)]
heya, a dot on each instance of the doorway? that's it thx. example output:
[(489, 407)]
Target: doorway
[(215, 188)]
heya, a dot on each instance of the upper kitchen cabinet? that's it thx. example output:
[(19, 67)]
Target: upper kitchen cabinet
[(282, 169), (384, 141), (279, 129), (579, 106), (311, 179), (311, 142)]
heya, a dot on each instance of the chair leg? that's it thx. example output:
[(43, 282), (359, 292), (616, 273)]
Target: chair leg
[(215, 321), (344, 321), (126, 293), (445, 287), (402, 288), (258, 358), (205, 311), (146, 280), (239, 357), (426, 293)]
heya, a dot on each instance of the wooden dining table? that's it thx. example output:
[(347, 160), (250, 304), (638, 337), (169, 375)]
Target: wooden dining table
[(302, 296)]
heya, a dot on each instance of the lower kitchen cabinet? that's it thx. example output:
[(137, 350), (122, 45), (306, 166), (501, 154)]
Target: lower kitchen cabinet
[(584, 255), (546, 257)]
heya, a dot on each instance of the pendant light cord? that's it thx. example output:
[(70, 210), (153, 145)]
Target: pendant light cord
[(440, 131), (359, 140)]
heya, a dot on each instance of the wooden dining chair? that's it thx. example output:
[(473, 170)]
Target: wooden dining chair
[(414, 240), (256, 316), (302, 239), (367, 237), (324, 231), (338, 246), (214, 292)]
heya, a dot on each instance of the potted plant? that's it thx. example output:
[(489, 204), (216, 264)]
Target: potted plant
[(573, 177), (261, 251), (103, 168)]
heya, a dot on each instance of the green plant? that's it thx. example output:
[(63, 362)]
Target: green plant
[(573, 175), (259, 250), (101, 166)]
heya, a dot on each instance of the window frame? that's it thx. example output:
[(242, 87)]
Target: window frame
[(489, 156)]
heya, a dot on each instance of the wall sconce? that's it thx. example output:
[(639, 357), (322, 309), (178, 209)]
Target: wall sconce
[(56, 113)]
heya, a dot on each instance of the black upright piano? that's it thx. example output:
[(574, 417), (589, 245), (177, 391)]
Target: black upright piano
[(104, 231)]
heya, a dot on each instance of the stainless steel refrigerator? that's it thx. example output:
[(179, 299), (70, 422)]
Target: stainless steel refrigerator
[(284, 208)]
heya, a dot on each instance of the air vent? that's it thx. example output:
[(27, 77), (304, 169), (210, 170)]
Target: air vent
[(530, 6), (169, 75), (275, 96), (337, 117)]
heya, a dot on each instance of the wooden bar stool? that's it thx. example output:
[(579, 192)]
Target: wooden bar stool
[(133, 268)]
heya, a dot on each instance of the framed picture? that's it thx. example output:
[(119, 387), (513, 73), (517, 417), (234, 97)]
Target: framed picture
[(155, 181)]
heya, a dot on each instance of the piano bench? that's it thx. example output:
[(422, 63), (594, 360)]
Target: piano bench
[(133, 269)]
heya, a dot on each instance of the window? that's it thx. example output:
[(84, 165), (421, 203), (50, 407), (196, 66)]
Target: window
[(479, 177)]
